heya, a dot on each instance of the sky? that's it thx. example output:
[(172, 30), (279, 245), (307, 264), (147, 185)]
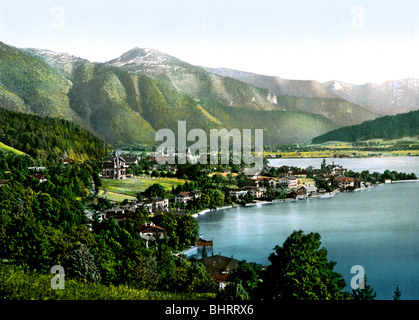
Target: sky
[(355, 41)]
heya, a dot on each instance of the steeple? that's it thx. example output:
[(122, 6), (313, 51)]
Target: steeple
[(118, 165)]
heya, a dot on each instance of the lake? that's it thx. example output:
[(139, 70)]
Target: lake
[(376, 228)]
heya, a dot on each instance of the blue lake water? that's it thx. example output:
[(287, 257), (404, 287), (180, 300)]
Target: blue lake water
[(377, 228)]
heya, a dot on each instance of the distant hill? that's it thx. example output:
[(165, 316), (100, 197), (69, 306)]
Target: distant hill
[(387, 127)]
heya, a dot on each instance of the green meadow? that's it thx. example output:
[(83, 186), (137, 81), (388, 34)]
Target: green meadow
[(118, 190), (6, 148)]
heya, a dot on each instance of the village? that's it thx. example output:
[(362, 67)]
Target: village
[(295, 184)]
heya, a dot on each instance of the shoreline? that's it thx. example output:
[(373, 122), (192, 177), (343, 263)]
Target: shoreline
[(316, 196), (275, 201)]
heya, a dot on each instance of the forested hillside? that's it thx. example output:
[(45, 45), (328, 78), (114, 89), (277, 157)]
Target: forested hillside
[(388, 127), (48, 139)]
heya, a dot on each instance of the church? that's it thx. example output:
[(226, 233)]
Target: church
[(114, 168)]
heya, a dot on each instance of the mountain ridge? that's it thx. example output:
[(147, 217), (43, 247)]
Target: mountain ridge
[(382, 98), (129, 98), (123, 107)]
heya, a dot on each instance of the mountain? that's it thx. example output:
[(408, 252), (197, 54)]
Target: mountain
[(128, 99), (194, 81), (387, 98), (303, 95), (387, 127), (277, 85)]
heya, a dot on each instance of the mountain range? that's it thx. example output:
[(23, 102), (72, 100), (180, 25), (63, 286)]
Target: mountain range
[(127, 99), (387, 98)]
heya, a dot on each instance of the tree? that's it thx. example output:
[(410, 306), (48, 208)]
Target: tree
[(81, 265), (244, 281), (364, 294), (234, 291), (155, 190), (397, 293), (323, 165), (300, 270), (149, 275)]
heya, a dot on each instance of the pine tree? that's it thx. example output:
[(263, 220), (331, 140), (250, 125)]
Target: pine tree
[(364, 294), (397, 293)]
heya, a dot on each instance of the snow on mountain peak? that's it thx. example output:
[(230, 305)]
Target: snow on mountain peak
[(337, 86)]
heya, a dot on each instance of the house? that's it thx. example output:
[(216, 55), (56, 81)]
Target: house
[(360, 184), (271, 182), (131, 160), (254, 182), (121, 212), (289, 182), (339, 171), (237, 192), (299, 194), (3, 182), (203, 243), (309, 189), (155, 204), (114, 168), (151, 232), (299, 174), (250, 173), (184, 197), (346, 182), (66, 161), (219, 267), (334, 169), (40, 177), (256, 192)]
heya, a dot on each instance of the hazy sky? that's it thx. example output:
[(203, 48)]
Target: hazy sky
[(353, 41)]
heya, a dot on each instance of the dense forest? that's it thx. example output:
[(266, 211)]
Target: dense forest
[(49, 139), (388, 127)]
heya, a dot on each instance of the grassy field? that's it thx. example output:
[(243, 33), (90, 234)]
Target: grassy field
[(305, 181), (6, 148), (113, 196), (120, 189)]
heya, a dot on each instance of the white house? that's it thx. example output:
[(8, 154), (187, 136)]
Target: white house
[(184, 197), (289, 182), (237, 192)]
